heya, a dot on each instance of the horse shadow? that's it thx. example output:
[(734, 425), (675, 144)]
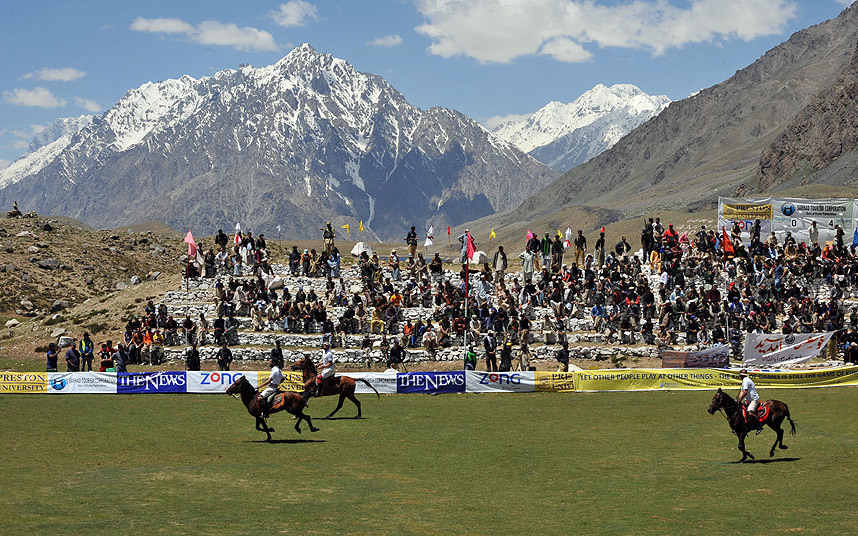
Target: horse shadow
[(767, 460), (288, 441)]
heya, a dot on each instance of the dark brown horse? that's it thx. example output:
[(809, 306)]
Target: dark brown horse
[(778, 411), (338, 385), (290, 401)]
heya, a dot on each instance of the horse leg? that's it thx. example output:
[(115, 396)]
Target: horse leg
[(339, 405), (745, 453), (354, 399), (298, 424), (263, 427), (309, 421), (779, 439)]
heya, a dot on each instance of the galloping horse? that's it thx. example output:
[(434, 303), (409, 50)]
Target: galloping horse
[(777, 411), (292, 402), (338, 385)]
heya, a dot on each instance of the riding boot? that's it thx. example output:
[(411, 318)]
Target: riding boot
[(319, 388), (263, 408)]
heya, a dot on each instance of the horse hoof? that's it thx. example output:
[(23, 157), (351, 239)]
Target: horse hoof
[(297, 429), (270, 429), (772, 454), (784, 447), (314, 429), (358, 417)]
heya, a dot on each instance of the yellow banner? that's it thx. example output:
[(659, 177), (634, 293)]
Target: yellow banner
[(23, 382), (554, 381), (668, 379), (747, 211)]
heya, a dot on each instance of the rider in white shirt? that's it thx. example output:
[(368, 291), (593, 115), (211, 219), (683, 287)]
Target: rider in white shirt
[(271, 387), (327, 366), (749, 390)]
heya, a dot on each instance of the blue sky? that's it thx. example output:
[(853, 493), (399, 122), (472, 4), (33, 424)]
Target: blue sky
[(486, 58)]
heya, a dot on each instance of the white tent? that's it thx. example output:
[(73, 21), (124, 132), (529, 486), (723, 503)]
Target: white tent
[(480, 257), (360, 247)]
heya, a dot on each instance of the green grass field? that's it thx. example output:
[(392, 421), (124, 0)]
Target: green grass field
[(610, 463)]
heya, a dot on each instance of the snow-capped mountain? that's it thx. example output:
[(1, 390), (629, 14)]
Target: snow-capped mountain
[(296, 143), (566, 135), (44, 148)]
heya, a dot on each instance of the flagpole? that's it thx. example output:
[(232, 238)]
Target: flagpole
[(467, 320)]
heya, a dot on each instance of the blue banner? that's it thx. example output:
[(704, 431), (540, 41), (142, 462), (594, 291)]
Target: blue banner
[(151, 382), (431, 382)]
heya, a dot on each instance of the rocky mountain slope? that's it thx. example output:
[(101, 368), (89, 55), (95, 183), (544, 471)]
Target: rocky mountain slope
[(296, 143), (708, 144), (823, 132), (566, 135)]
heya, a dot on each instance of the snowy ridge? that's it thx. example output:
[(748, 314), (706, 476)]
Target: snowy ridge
[(615, 110)]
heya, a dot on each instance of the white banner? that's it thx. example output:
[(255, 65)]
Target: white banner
[(81, 382), (782, 214), (777, 348), (217, 382), (384, 382), (499, 382)]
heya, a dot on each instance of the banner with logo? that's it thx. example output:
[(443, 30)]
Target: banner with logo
[(384, 382), (204, 381), (554, 381), (431, 382), (499, 382), (766, 349), (782, 214), (81, 382), (715, 357), (810, 378), (23, 382), (151, 382)]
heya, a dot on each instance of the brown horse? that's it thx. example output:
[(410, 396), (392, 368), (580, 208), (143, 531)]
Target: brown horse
[(778, 411), (290, 401), (338, 385)]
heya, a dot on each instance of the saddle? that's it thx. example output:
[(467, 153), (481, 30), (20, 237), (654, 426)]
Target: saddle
[(762, 413)]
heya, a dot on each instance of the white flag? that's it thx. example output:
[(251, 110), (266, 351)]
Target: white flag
[(278, 229), (430, 237), (237, 227)]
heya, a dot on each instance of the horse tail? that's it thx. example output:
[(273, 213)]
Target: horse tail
[(791, 423), (379, 396)]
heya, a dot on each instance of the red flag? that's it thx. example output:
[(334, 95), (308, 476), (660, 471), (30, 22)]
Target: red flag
[(471, 248), (726, 243), (192, 246), (448, 230), (237, 239)]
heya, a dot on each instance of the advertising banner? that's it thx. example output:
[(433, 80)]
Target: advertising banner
[(384, 382), (81, 382), (555, 381), (782, 214), (499, 382), (766, 349), (292, 381), (217, 382), (810, 378), (715, 357), (653, 379), (151, 382), (23, 382), (431, 382)]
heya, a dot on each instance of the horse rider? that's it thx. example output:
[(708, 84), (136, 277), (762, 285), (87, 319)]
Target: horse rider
[(327, 366), (266, 397), (749, 390)]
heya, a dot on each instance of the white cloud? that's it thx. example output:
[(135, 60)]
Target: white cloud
[(37, 96), (502, 30), (29, 133), (66, 74), (496, 120), (210, 32), (19, 144), (295, 13), (163, 25), (88, 105), (844, 3), (386, 41), (5, 163)]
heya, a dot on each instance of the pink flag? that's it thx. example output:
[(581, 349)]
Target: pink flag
[(471, 248), (529, 235), (192, 246)]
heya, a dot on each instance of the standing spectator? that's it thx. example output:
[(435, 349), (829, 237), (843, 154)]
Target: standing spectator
[(53, 356), (506, 357), (393, 265), (276, 353), (527, 264), (580, 244), (105, 358), (157, 347), (224, 357), (328, 235), (490, 343), (190, 330), (500, 264), (87, 351), (204, 325), (563, 357), (192, 358), (600, 249), (73, 358), (411, 240), (120, 359)]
